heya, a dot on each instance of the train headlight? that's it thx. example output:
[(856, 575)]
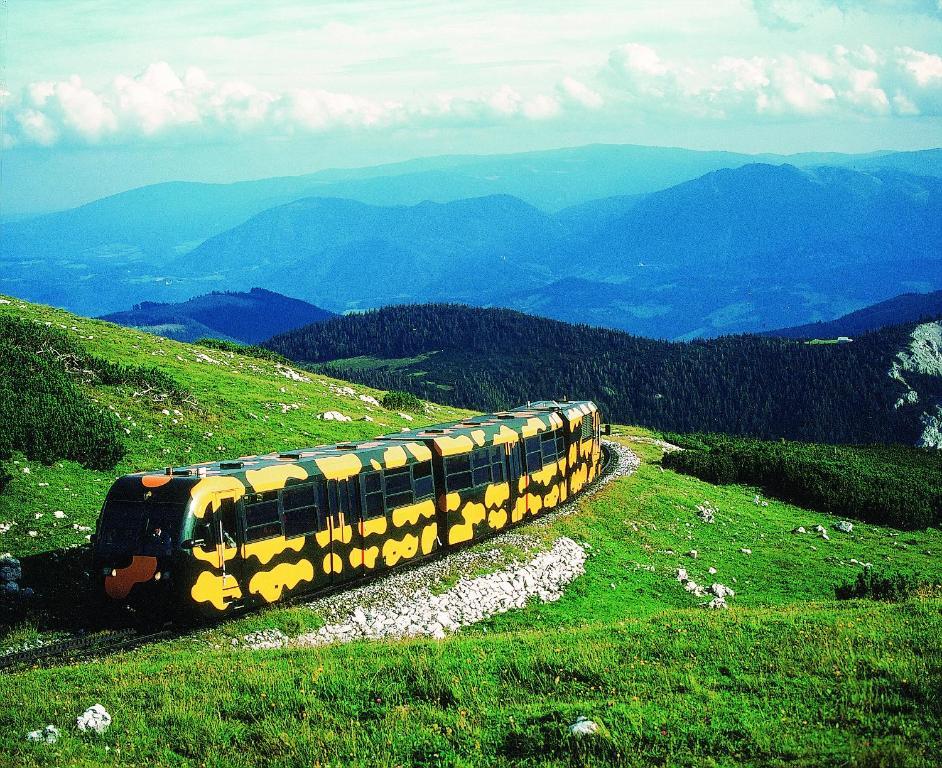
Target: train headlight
[(157, 576), (110, 572)]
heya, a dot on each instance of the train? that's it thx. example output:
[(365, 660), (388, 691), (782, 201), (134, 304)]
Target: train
[(208, 540)]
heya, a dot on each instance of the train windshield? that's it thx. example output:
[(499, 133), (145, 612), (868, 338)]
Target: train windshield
[(129, 525)]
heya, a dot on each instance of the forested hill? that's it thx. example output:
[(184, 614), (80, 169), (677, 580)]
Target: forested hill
[(906, 308), (750, 385)]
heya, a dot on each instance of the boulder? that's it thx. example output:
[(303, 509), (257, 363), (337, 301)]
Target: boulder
[(844, 526), (583, 727), (95, 718)]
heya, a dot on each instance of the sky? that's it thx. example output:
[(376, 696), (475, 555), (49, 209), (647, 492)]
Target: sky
[(99, 96)]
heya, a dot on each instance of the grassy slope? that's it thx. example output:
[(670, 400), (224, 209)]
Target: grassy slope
[(787, 675), (239, 411)]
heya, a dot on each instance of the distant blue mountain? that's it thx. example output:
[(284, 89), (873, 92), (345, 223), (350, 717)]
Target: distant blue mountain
[(907, 308), (247, 318), (678, 243)]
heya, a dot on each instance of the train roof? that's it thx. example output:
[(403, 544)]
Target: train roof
[(396, 449)]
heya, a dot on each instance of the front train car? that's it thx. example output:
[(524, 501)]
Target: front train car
[(214, 538)]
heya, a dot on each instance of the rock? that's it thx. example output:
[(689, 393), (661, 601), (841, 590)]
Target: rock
[(717, 603), (721, 590), (95, 718), (692, 553), (711, 570), (799, 529), (844, 526), (681, 575), (583, 727), (822, 532), (334, 416), (746, 551), (48, 735), (706, 512)]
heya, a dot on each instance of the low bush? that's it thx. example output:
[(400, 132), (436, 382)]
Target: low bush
[(249, 350), (873, 585), (46, 417), (892, 485), (402, 401)]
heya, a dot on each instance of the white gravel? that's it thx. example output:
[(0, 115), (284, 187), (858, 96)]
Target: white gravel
[(408, 603)]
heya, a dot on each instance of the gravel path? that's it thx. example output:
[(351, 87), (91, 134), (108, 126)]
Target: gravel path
[(405, 604)]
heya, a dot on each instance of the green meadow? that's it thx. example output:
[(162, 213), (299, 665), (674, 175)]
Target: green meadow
[(788, 675)]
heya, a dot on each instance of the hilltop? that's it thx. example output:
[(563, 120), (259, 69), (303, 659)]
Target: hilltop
[(246, 317), (905, 308)]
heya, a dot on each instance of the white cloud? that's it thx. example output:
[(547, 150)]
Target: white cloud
[(158, 103), (571, 89), (902, 82)]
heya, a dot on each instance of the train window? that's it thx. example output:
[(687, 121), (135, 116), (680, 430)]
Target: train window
[(552, 446), (534, 454), (422, 481), (298, 496), (587, 431), (497, 464), (458, 472), (262, 520), (322, 523), (480, 467), (299, 507), (300, 521), (398, 487), (373, 505)]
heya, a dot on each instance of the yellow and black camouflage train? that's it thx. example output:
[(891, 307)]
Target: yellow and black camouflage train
[(210, 539)]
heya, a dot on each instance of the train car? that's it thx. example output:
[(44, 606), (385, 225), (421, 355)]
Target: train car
[(211, 539)]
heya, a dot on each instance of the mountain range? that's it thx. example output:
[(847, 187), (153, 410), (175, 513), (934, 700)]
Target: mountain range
[(663, 242), (247, 318)]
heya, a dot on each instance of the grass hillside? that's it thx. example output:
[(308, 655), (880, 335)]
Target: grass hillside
[(788, 674), (236, 405)]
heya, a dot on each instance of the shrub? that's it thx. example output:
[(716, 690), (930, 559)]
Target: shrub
[(873, 585), (249, 350), (46, 417), (893, 485), (402, 401)]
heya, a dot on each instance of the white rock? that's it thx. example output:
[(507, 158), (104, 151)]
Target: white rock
[(681, 575), (58, 514), (583, 727), (692, 553), (844, 526), (334, 416), (405, 416), (799, 529), (711, 570), (49, 735), (95, 718), (746, 551), (721, 590), (717, 603)]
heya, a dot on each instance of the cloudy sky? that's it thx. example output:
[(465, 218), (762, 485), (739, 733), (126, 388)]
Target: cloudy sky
[(103, 95)]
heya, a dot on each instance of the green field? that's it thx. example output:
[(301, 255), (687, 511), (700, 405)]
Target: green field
[(787, 675)]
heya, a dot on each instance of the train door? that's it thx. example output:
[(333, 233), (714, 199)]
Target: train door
[(344, 516), (514, 473), (216, 541)]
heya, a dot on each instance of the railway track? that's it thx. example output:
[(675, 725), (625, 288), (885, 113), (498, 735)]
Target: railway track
[(85, 647)]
